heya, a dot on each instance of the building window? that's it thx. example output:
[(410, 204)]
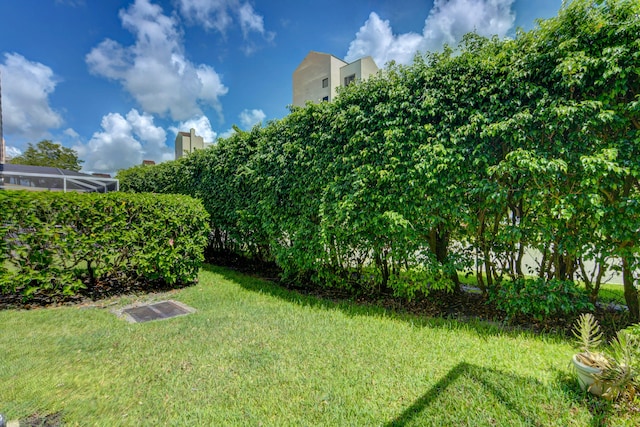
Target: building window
[(349, 79), (326, 98), (325, 82)]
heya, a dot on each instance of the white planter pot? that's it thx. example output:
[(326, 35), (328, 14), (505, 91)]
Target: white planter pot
[(586, 377)]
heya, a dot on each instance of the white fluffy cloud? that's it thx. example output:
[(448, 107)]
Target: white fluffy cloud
[(227, 133), (26, 86), (71, 133), (447, 22), (124, 142), (220, 15), (375, 38), (250, 21), (12, 151), (155, 70), (249, 118)]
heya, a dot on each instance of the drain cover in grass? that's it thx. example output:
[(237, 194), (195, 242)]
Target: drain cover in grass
[(155, 311)]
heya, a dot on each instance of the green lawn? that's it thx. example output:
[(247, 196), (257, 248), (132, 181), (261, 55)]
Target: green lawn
[(254, 354)]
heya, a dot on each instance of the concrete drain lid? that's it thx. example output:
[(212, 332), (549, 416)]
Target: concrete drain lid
[(155, 311)]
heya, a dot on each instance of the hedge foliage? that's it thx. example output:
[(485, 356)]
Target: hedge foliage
[(463, 160), (58, 243), (539, 298)]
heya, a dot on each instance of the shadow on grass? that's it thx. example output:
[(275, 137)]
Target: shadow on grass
[(524, 400), (461, 396), (484, 329), (599, 408)]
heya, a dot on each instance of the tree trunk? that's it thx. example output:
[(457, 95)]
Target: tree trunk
[(519, 259), (439, 245), (482, 244), (479, 277), (543, 263), (383, 265), (630, 292), (592, 285), (488, 268)]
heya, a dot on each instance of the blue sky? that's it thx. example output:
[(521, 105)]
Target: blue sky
[(116, 79)]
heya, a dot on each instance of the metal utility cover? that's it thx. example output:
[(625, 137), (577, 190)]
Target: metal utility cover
[(155, 311)]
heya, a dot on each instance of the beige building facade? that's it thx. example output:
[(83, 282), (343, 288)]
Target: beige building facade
[(319, 76), (187, 143)]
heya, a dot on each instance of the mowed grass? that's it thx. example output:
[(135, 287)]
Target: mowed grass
[(255, 354)]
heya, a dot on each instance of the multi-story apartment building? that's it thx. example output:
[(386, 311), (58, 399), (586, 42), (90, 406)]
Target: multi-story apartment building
[(3, 155), (188, 142), (319, 75)]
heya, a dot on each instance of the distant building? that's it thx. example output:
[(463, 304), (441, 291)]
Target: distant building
[(3, 152), (3, 149), (187, 143), (149, 162), (319, 75)]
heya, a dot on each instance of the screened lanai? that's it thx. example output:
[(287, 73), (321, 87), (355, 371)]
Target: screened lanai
[(22, 177)]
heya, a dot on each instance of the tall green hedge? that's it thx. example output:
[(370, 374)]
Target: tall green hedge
[(59, 243), (462, 161)]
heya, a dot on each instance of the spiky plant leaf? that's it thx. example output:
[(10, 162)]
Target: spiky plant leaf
[(587, 332), (619, 378)]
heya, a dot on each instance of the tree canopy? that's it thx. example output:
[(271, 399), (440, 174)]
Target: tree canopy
[(50, 154)]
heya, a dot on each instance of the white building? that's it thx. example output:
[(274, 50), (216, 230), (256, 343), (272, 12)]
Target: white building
[(187, 143), (319, 75)]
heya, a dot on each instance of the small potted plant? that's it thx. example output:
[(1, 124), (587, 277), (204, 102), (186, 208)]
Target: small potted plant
[(612, 373)]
